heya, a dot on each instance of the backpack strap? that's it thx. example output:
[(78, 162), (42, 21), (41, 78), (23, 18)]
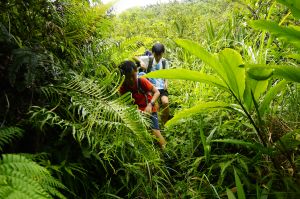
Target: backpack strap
[(140, 90), (151, 63), (163, 63)]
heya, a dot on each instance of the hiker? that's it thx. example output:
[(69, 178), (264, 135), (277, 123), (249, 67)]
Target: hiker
[(142, 90), (157, 62), (142, 71)]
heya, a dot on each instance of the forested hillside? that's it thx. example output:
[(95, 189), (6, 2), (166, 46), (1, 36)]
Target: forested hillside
[(234, 96)]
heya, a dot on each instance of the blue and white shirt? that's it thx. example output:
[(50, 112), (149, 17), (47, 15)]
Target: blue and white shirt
[(159, 83)]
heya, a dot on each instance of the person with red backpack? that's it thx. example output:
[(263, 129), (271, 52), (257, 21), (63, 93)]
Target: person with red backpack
[(153, 62), (144, 95)]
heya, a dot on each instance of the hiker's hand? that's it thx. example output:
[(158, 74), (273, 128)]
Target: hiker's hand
[(166, 86), (148, 109), (143, 65)]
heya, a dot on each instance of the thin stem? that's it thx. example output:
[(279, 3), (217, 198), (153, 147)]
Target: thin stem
[(7, 110), (251, 120)]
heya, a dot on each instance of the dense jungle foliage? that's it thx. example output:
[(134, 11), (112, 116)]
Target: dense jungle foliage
[(65, 132)]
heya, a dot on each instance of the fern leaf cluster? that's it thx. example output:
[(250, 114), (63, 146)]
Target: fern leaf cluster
[(95, 113), (23, 178), (102, 115), (7, 134)]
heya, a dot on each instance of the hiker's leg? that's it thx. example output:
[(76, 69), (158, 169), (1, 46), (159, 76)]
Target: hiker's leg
[(156, 132), (164, 105), (165, 109), (161, 140)]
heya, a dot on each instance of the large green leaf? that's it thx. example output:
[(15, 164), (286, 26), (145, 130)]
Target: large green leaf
[(289, 34), (185, 74), (257, 88), (293, 5), (226, 65), (199, 108), (256, 84), (201, 53), (290, 73), (260, 75), (235, 75), (270, 95)]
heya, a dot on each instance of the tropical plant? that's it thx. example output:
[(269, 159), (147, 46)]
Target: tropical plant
[(7, 134), (23, 178), (108, 130), (231, 76), (287, 34), (235, 132)]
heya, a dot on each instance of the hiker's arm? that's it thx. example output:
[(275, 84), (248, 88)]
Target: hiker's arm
[(153, 100), (166, 84), (142, 64), (156, 94)]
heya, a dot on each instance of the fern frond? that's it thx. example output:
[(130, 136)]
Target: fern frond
[(129, 47), (5, 36), (92, 112), (40, 67), (7, 134), (102, 113), (42, 116), (21, 185), (51, 93), (55, 193), (22, 164), (23, 178)]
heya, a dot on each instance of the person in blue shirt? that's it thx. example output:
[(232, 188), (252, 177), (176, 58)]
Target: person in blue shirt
[(154, 62)]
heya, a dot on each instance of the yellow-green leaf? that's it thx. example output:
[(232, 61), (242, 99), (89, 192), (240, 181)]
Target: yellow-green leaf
[(202, 54), (184, 74), (231, 61), (294, 5), (199, 108), (290, 73)]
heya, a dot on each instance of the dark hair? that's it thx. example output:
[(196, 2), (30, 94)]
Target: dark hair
[(147, 53), (158, 48), (127, 67)]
